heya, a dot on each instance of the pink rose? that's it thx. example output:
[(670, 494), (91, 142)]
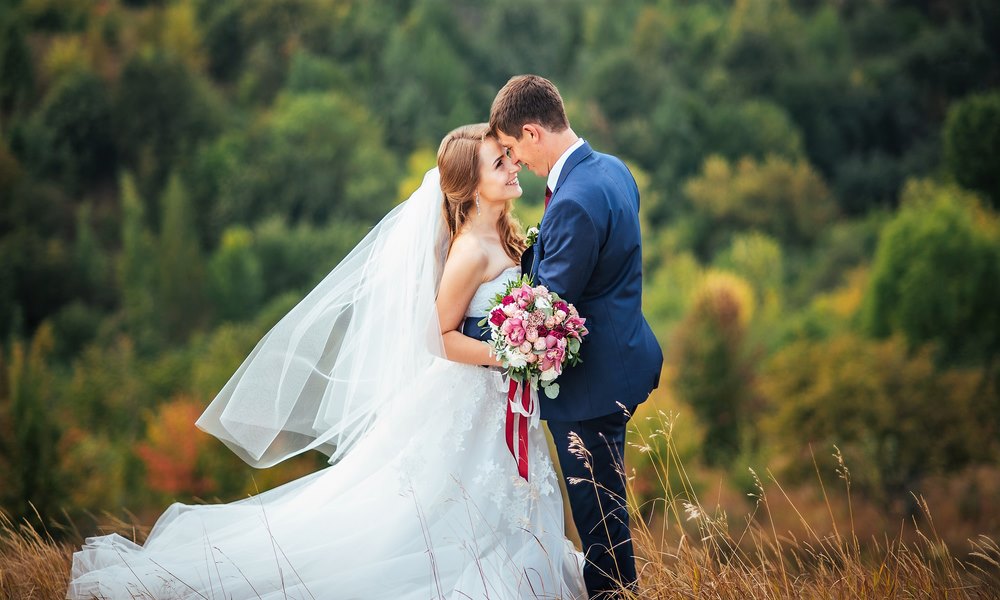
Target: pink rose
[(508, 299), (526, 347), (540, 344), (531, 335)]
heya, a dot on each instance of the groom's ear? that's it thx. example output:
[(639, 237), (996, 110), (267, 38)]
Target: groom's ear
[(532, 130)]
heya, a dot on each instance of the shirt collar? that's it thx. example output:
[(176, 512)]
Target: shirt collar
[(553, 178)]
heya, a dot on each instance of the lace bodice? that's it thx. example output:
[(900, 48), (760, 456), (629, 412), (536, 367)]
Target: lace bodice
[(483, 298)]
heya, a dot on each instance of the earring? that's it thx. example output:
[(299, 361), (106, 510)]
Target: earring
[(478, 211)]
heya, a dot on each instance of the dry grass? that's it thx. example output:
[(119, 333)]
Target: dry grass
[(32, 564), (684, 550)]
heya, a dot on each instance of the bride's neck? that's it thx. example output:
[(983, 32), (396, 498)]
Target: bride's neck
[(484, 222)]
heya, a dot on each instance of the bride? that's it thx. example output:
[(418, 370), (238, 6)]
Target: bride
[(422, 499)]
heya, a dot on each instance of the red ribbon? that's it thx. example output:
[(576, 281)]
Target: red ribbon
[(521, 426)]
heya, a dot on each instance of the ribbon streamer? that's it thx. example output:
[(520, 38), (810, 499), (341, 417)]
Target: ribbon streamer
[(520, 415)]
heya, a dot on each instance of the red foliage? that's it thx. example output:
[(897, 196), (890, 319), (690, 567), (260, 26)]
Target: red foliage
[(172, 448)]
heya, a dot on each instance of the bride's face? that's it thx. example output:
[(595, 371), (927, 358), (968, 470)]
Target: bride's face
[(497, 173)]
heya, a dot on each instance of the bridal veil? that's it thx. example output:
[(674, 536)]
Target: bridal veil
[(337, 361)]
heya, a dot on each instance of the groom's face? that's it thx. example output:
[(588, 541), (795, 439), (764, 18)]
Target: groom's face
[(525, 151)]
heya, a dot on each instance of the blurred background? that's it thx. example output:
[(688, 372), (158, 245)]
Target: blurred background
[(820, 183)]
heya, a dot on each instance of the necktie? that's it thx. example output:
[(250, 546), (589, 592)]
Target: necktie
[(548, 196)]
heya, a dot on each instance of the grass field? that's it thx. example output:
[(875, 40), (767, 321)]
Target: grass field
[(684, 549)]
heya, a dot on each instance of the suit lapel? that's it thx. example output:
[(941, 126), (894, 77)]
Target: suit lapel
[(533, 255), (528, 260)]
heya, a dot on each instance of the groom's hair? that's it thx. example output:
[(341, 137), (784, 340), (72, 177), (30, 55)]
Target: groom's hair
[(527, 99)]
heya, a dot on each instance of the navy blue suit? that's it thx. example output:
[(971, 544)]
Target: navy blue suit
[(589, 251)]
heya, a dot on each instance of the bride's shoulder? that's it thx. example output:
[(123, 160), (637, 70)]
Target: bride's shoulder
[(468, 253), (469, 246)]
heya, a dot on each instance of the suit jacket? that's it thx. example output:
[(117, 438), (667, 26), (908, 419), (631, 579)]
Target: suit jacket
[(589, 251)]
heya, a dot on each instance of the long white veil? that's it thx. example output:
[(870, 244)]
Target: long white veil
[(326, 371)]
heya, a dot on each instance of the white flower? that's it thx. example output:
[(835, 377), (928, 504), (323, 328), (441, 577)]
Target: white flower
[(549, 374), (532, 231), (542, 302), (515, 359)]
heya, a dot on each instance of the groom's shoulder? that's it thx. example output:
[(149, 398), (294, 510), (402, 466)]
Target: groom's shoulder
[(607, 168), (610, 160)]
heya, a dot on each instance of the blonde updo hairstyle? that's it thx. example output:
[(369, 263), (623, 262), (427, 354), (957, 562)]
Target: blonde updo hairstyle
[(458, 168)]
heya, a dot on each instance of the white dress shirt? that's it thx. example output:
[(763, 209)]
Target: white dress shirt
[(553, 178)]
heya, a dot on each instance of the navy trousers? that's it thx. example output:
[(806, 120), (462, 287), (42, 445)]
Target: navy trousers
[(597, 499)]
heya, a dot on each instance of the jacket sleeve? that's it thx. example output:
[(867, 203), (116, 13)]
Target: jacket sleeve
[(570, 245)]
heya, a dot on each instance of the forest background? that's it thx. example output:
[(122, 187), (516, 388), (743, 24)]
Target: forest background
[(820, 183)]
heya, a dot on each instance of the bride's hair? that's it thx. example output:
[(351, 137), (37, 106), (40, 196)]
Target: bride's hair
[(458, 167)]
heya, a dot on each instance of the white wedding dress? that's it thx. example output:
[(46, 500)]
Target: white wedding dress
[(426, 504)]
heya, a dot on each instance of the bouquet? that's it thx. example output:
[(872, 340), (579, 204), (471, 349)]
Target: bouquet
[(534, 333)]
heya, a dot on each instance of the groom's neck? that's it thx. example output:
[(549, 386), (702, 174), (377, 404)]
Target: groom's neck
[(559, 142)]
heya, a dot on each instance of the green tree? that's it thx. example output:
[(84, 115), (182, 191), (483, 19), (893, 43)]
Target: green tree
[(758, 259), (271, 31), (785, 199), (427, 83), (892, 413), (224, 39), (236, 284), (294, 259), (972, 143), (16, 70), (754, 128), (136, 269), (180, 300), (316, 157), (162, 111), (714, 372), (92, 263), (28, 397), (936, 274), (36, 264), (72, 134), (311, 73)]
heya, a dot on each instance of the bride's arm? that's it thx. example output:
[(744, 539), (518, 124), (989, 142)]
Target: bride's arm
[(462, 276)]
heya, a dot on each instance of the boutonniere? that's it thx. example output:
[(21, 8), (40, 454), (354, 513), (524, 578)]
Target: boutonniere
[(531, 236)]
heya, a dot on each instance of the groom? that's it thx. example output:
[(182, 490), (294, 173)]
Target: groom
[(588, 251)]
